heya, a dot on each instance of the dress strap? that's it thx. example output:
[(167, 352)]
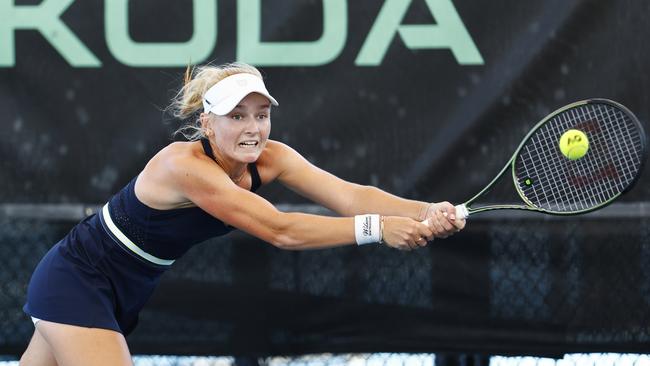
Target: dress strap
[(255, 176), (208, 149)]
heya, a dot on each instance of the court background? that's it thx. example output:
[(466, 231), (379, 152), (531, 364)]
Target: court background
[(421, 123)]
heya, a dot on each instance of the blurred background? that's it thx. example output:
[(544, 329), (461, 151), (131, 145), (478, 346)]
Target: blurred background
[(426, 99)]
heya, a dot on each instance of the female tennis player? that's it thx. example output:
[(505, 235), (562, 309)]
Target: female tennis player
[(87, 291)]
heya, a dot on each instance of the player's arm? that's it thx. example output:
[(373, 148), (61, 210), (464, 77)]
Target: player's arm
[(343, 197), (348, 199), (205, 184)]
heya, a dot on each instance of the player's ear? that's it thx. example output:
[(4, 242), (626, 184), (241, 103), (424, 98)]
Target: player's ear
[(204, 118)]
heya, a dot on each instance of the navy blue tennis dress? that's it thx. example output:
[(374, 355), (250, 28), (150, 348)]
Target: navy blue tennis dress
[(103, 272)]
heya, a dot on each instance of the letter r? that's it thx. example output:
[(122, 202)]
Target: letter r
[(44, 18)]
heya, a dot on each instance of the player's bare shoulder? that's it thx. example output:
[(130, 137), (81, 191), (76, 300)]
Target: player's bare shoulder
[(158, 183), (174, 161), (178, 156), (272, 162)]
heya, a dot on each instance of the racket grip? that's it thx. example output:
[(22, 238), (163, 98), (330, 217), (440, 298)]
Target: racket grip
[(461, 213)]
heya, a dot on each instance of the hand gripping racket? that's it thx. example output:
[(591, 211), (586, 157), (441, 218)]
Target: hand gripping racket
[(552, 180)]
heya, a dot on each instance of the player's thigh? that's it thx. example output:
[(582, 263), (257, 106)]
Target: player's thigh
[(81, 346), (38, 352)]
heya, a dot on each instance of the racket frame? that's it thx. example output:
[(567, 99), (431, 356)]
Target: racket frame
[(464, 210)]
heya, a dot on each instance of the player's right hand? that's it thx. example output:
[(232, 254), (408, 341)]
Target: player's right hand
[(405, 233)]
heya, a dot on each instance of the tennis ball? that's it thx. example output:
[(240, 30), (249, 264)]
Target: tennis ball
[(574, 144)]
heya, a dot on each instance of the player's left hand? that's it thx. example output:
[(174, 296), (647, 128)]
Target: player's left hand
[(441, 218)]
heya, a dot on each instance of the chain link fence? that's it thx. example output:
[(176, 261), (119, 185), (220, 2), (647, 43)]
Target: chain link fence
[(529, 285)]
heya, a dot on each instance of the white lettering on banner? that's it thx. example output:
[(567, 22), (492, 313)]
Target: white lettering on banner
[(449, 32)]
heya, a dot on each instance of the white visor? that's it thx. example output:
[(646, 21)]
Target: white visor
[(223, 96)]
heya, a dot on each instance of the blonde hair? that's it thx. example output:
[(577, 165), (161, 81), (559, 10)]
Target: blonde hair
[(188, 102)]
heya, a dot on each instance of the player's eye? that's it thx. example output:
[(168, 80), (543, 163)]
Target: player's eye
[(237, 117)]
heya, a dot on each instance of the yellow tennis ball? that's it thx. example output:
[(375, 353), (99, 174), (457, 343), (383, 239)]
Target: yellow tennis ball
[(574, 144)]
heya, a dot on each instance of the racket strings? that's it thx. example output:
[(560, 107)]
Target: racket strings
[(593, 194), (610, 166), (604, 162), (630, 152), (620, 153), (544, 170)]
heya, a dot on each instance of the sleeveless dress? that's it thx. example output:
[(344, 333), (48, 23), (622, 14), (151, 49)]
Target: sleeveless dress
[(104, 270)]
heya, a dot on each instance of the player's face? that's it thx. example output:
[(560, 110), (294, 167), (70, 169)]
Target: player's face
[(241, 135)]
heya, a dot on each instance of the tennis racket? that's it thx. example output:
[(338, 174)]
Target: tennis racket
[(551, 182)]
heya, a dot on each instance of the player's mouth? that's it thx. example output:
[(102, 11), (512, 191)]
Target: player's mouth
[(248, 144)]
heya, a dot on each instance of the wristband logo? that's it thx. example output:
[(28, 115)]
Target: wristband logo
[(448, 32), (367, 226)]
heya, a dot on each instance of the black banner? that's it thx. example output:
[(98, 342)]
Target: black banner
[(422, 98)]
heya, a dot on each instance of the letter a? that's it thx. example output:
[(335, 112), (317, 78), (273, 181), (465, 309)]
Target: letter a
[(449, 32)]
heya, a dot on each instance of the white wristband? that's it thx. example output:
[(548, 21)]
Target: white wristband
[(367, 229)]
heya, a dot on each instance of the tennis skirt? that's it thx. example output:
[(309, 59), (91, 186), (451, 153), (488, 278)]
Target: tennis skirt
[(90, 279)]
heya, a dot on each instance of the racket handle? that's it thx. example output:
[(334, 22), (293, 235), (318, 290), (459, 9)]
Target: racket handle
[(461, 213)]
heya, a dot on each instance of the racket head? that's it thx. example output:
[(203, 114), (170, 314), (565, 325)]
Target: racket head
[(550, 182)]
